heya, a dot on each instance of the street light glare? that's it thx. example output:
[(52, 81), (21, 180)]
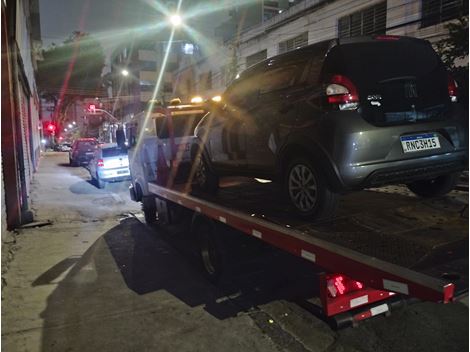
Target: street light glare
[(125, 73), (176, 20)]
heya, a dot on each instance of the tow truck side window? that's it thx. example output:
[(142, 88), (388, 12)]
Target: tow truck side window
[(182, 123)]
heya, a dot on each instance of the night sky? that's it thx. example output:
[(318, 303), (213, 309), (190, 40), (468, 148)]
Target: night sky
[(59, 18)]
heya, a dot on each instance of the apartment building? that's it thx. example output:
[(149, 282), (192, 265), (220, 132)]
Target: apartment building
[(311, 21)]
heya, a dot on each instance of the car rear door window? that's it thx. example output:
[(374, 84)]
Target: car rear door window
[(387, 69), (182, 124), (110, 152), (278, 78)]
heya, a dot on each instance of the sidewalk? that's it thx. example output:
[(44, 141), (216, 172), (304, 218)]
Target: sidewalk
[(91, 280)]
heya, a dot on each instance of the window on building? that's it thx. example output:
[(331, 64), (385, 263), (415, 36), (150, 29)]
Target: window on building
[(437, 11), (293, 43), (148, 65), (371, 20), (146, 86), (188, 48), (255, 58)]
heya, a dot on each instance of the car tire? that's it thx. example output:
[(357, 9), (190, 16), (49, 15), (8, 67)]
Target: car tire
[(206, 180), (435, 187), (212, 252), (150, 209), (307, 190), (100, 183)]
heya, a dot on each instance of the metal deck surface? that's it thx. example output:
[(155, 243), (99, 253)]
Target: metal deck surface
[(429, 236)]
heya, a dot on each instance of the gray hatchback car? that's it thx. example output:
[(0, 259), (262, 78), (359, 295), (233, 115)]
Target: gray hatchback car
[(338, 116)]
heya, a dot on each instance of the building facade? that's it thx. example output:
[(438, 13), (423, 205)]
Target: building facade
[(21, 124), (310, 21)]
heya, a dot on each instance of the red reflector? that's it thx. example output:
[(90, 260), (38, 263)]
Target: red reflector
[(452, 88), (387, 37), (100, 163)]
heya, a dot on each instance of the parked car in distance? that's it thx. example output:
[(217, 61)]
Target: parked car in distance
[(82, 151), (63, 147), (338, 116), (109, 163)]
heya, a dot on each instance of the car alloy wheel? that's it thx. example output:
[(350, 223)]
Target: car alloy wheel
[(302, 186)]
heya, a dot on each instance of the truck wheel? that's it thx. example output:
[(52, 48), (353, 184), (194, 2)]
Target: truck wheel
[(206, 180), (435, 187), (307, 190), (150, 209), (210, 250)]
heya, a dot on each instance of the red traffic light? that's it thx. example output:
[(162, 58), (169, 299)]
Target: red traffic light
[(92, 108), (51, 127)]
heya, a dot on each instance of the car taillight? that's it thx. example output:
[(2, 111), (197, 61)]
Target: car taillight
[(100, 163), (339, 285), (452, 87), (343, 92)]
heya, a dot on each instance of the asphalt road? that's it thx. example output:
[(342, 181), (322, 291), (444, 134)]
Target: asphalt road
[(98, 279)]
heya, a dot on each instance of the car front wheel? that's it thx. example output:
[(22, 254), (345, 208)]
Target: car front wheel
[(435, 187), (308, 192)]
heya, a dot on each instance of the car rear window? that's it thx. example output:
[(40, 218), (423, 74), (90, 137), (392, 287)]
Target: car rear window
[(86, 145), (110, 152), (387, 69), (183, 124), (380, 60)]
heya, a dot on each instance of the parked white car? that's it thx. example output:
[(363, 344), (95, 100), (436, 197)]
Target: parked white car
[(109, 163)]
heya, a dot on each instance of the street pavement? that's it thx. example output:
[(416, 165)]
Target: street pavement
[(93, 277)]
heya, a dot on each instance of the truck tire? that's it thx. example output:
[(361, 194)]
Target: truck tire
[(150, 209), (307, 190), (211, 251), (206, 180), (435, 187)]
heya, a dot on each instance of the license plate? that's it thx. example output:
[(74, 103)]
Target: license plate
[(420, 142), (121, 172)]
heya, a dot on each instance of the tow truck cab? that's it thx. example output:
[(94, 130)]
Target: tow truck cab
[(160, 137)]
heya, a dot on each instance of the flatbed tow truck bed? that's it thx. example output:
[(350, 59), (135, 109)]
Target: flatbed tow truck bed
[(386, 238)]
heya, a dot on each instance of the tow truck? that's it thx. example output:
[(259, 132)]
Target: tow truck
[(383, 249)]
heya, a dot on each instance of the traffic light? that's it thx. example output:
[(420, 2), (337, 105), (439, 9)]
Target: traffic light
[(51, 127), (92, 108)]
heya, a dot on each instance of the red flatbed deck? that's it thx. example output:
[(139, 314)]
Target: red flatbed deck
[(387, 238)]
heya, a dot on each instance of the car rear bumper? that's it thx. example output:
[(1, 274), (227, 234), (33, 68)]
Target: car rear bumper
[(120, 174), (412, 170), (364, 155)]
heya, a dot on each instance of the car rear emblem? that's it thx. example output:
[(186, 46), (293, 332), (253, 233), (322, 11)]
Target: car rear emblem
[(410, 90)]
